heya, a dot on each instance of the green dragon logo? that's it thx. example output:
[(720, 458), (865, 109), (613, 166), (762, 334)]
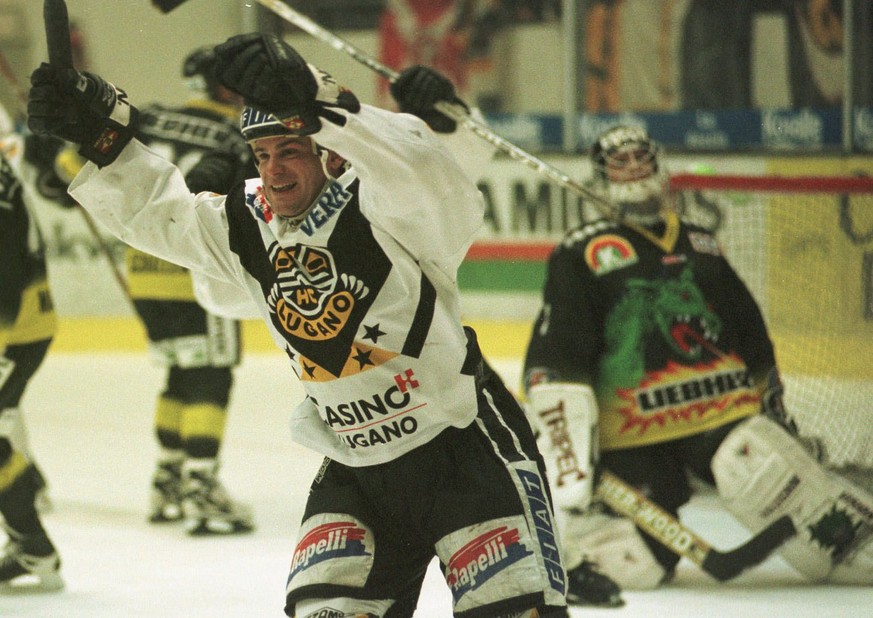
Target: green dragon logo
[(674, 309)]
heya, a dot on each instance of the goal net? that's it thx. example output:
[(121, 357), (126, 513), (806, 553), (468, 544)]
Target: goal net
[(804, 247)]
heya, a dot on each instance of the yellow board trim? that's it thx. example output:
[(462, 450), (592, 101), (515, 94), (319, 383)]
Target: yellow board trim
[(498, 339), (126, 334)]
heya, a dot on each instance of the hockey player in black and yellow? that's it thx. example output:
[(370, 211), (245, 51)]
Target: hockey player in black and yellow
[(27, 326), (198, 348), (650, 350)]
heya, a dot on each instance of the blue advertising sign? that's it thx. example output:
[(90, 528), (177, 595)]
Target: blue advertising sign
[(793, 130)]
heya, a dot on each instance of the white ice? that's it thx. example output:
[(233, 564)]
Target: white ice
[(90, 421)]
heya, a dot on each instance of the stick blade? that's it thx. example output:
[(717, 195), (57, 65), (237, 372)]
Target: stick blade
[(727, 565)]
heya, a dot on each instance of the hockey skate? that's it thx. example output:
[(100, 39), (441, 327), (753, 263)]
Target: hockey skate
[(587, 586), (166, 500), (29, 564), (207, 507)]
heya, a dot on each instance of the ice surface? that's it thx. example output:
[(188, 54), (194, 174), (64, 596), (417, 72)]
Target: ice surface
[(90, 421)]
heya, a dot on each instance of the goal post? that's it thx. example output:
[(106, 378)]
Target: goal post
[(804, 246)]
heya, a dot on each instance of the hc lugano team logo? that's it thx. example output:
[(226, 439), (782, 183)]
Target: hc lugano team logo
[(309, 299)]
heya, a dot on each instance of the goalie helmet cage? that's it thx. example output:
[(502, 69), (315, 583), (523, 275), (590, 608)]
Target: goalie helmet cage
[(804, 247)]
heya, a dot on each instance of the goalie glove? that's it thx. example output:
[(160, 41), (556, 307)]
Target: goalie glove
[(81, 108), (272, 77), (418, 88), (773, 407)]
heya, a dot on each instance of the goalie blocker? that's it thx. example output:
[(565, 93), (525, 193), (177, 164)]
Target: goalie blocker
[(565, 419), (763, 473)]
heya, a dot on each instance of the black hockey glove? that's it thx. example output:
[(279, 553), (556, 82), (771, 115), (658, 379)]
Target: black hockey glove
[(217, 171), (272, 77), (772, 404), (773, 407), (81, 108), (418, 88)]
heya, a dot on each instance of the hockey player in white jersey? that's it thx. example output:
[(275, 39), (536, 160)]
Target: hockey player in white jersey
[(347, 246)]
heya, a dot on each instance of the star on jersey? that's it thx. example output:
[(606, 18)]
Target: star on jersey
[(363, 357), (373, 333)]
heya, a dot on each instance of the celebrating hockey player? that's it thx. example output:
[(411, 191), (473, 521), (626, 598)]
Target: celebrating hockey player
[(347, 245), (27, 326), (651, 350)]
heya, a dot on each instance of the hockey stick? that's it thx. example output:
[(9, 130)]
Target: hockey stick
[(678, 538), (57, 34), (455, 112)]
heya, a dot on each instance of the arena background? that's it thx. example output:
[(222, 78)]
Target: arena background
[(89, 407), (134, 45)]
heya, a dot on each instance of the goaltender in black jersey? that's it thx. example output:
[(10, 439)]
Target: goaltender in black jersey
[(650, 358)]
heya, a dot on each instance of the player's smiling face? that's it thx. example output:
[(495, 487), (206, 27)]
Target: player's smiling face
[(290, 171)]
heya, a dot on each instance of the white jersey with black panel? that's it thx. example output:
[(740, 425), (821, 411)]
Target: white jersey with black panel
[(362, 295)]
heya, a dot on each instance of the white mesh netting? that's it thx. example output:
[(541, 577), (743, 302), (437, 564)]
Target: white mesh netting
[(805, 250)]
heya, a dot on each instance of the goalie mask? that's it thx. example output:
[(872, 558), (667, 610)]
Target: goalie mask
[(628, 174)]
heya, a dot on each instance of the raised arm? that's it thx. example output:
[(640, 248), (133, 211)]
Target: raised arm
[(139, 196), (415, 188)]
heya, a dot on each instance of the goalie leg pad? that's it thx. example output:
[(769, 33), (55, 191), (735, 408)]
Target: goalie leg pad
[(762, 473), (614, 544), (564, 417)]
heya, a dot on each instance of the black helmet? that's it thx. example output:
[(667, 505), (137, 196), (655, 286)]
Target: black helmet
[(199, 69)]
